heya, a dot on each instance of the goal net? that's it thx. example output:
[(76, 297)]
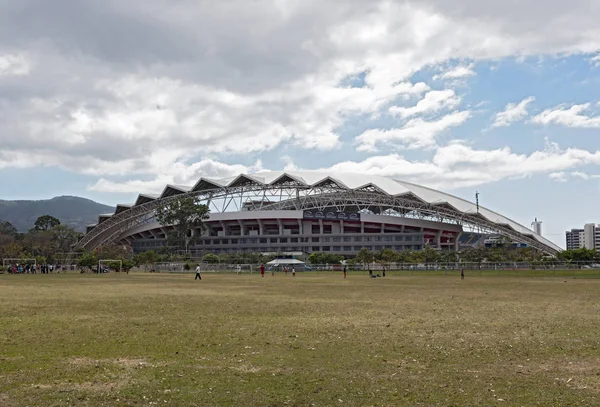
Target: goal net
[(104, 266)]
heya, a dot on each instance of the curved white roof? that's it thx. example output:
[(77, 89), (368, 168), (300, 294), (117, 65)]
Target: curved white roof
[(385, 185)]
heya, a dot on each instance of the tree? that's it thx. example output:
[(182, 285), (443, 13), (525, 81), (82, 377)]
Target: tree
[(184, 215), (364, 256), (87, 261), (146, 259), (65, 237), (211, 258), (324, 258), (46, 222), (387, 256), (6, 228)]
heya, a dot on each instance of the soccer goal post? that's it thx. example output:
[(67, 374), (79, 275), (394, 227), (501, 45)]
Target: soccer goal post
[(21, 261), (110, 264)]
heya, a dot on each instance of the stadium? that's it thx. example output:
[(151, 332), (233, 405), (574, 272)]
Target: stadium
[(309, 211)]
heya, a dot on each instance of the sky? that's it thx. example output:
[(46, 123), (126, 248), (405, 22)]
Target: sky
[(109, 99)]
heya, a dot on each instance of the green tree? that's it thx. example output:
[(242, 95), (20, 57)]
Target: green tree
[(324, 258), (6, 228), (146, 259), (210, 258), (387, 256), (46, 222), (65, 237), (87, 261), (184, 215), (364, 256), (128, 265)]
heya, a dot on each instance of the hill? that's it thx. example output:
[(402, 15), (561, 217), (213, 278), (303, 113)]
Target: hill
[(72, 211)]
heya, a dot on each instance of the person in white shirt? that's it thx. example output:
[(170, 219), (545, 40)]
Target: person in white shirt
[(293, 271), (198, 273)]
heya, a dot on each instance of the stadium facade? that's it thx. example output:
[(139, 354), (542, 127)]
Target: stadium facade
[(309, 211)]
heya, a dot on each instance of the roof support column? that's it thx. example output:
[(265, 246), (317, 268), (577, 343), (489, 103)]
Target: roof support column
[(320, 226), (225, 229), (280, 223), (261, 227), (300, 227), (456, 245), (438, 239), (383, 228), (242, 227), (341, 226), (362, 227)]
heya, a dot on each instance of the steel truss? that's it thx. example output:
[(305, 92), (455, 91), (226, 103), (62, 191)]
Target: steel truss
[(296, 196)]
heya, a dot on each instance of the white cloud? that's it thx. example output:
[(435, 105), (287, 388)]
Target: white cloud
[(595, 61), (453, 166), (416, 133), (458, 72), (568, 117), (185, 81), (558, 176), (513, 113), (14, 65), (432, 102)]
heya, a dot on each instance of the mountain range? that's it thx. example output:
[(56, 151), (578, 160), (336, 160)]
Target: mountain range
[(72, 211)]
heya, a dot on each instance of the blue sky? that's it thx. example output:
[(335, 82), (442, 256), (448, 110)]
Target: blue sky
[(503, 101)]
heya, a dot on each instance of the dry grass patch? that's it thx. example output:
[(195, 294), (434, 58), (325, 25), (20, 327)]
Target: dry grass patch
[(229, 340)]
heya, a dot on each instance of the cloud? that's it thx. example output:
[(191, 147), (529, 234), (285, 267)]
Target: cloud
[(513, 113), (458, 72), (102, 89), (14, 65), (416, 133), (595, 61), (432, 102), (558, 176), (568, 117)]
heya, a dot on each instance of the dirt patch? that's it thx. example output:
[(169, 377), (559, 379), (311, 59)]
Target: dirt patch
[(124, 363)]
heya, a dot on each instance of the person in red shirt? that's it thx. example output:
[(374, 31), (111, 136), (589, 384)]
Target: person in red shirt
[(262, 270)]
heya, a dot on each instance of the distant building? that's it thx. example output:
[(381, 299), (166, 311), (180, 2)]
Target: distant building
[(575, 239), (588, 237)]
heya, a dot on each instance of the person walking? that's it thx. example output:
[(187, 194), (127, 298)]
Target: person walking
[(285, 270), (262, 270), (198, 276), (462, 273), (293, 271), (344, 271)]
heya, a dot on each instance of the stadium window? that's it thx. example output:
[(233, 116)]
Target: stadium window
[(316, 249), (398, 238), (294, 240), (315, 240), (326, 248), (337, 239), (263, 240), (283, 240), (234, 241), (347, 239), (273, 240), (253, 241), (337, 248), (367, 238), (387, 238), (357, 248), (326, 239), (357, 238), (409, 238), (347, 248), (377, 238)]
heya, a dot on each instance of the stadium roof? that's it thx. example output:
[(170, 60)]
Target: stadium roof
[(346, 182)]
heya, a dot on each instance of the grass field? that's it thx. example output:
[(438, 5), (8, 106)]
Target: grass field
[(158, 339)]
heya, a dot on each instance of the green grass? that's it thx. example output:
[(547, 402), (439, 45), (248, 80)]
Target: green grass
[(316, 339)]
